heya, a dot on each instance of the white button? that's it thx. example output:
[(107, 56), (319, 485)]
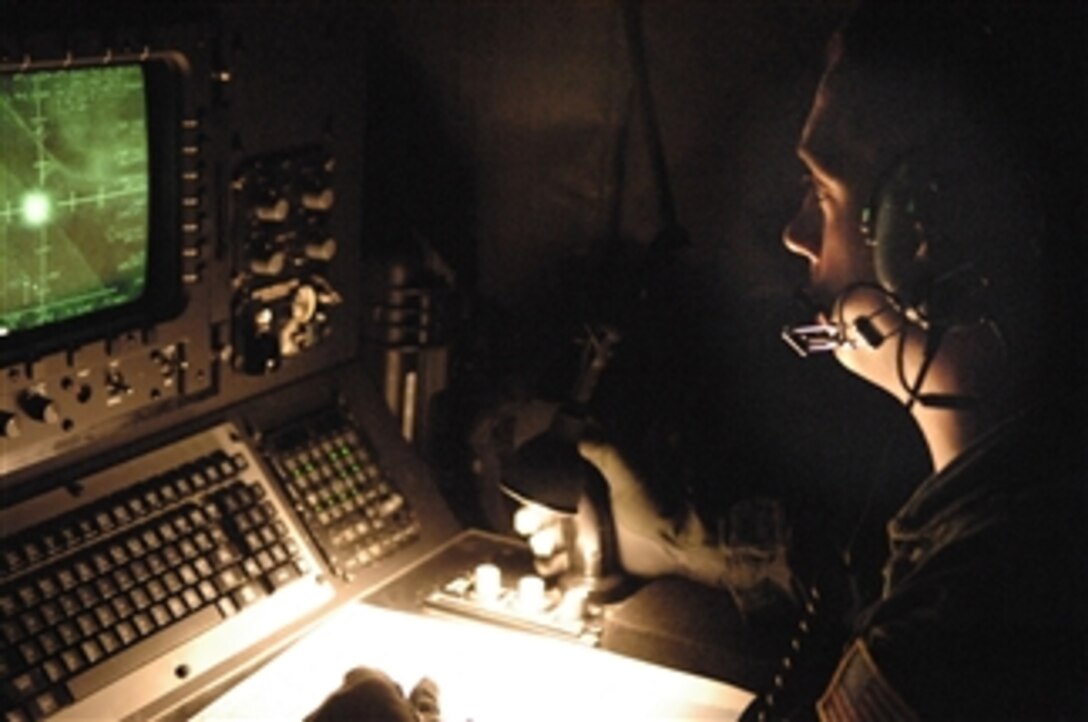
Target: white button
[(488, 582), (531, 593)]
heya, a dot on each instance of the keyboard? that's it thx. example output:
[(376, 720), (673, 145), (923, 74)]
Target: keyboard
[(196, 558), (354, 512)]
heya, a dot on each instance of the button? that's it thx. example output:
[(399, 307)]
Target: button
[(487, 581), (531, 593)]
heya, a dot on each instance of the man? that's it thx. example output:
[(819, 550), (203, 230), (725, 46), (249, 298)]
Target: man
[(922, 226), (936, 264), (928, 231)]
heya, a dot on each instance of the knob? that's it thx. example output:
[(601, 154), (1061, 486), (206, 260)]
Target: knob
[(40, 407), (9, 425)]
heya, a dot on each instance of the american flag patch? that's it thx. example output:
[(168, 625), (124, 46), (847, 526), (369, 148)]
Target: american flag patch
[(859, 693)]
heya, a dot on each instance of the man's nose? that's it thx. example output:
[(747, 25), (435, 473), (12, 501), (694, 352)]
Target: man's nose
[(802, 235)]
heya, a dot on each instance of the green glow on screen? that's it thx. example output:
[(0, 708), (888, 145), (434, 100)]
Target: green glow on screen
[(74, 195), (37, 208)]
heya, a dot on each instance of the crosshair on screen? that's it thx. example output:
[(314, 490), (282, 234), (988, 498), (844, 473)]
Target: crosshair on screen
[(74, 193)]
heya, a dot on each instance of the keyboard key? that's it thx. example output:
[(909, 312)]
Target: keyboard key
[(31, 653), (69, 633), (25, 685), (11, 631), (54, 670), (177, 607), (73, 660), (283, 575), (92, 651), (160, 615), (9, 605), (127, 633), (108, 641), (247, 594), (50, 702), (50, 643), (143, 623)]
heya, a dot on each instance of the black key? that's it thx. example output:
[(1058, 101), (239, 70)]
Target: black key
[(9, 605), (49, 702), (48, 587), (283, 575), (88, 596), (84, 571), (25, 685), (143, 623), (127, 633), (11, 631), (87, 624), (192, 599), (69, 633), (32, 622), (177, 607), (50, 643), (109, 642), (160, 615), (54, 670), (92, 651), (140, 598), (31, 653), (105, 615), (73, 660), (28, 595)]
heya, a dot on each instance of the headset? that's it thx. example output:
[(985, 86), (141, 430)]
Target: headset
[(914, 224)]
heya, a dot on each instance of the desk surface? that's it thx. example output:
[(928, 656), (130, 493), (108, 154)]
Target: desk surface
[(484, 674)]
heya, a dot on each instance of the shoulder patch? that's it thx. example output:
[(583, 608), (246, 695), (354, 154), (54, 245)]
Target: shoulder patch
[(858, 692)]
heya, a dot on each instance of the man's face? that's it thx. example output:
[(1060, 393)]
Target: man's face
[(826, 229)]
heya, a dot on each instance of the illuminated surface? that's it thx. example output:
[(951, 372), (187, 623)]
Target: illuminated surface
[(484, 674), (73, 193)]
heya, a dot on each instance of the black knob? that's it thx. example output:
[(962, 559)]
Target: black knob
[(40, 407)]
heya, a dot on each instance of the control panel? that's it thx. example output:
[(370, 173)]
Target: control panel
[(490, 593), (246, 133), (283, 288)]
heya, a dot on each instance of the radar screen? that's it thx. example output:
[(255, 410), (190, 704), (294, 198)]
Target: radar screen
[(74, 193)]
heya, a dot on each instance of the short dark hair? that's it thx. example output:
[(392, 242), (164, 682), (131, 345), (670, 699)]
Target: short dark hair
[(1015, 73)]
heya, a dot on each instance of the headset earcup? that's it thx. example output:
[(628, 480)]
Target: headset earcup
[(900, 236)]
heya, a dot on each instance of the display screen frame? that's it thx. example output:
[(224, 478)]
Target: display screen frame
[(162, 294)]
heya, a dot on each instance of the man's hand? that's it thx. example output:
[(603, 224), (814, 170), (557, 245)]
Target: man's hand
[(370, 695), (652, 544)]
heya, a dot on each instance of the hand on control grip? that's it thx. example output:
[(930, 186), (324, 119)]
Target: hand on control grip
[(746, 556), (649, 542)]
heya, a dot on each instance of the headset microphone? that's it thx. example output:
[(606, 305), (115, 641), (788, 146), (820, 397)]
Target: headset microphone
[(812, 338)]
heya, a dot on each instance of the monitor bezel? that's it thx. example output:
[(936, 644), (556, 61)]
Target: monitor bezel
[(162, 297)]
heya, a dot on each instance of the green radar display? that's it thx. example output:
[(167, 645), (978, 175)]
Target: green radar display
[(74, 193)]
